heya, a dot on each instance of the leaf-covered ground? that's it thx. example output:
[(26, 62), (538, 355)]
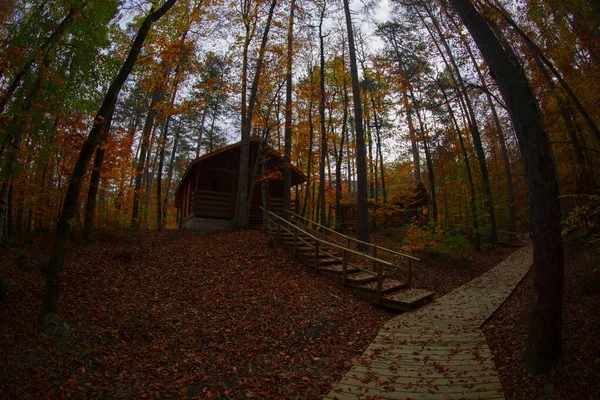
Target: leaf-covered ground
[(182, 315), (442, 276), (576, 376), (177, 314)]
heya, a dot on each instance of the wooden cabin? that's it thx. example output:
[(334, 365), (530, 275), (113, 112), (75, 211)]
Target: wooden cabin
[(206, 196)]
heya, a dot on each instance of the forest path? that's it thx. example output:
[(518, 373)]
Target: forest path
[(438, 351)]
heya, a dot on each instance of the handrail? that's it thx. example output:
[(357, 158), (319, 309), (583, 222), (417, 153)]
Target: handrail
[(378, 264), (358, 253), (353, 239), (329, 243)]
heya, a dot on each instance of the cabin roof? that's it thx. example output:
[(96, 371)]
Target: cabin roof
[(254, 139)]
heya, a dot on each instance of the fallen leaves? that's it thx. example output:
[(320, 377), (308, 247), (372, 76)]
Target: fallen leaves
[(506, 332), (176, 314)]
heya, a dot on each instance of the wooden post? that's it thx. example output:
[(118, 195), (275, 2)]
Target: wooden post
[(374, 254), (317, 255), (410, 273), (295, 241), (279, 229), (379, 282), (347, 242), (344, 266)]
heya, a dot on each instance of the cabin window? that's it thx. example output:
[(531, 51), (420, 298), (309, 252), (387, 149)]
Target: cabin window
[(218, 185)]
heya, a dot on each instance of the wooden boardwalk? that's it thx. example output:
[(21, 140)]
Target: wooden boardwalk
[(438, 351)]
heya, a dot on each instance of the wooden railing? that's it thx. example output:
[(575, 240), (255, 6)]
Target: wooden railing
[(376, 251), (318, 242)]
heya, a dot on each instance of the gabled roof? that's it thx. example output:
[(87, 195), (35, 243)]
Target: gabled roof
[(254, 139)]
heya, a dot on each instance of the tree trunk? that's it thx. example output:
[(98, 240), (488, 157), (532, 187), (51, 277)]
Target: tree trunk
[(544, 342), (472, 197), (321, 197), (339, 159), (380, 154), (362, 226), (287, 171), (474, 128), (241, 214), (144, 150), (170, 175), (53, 268), (89, 226), (510, 192), (310, 146)]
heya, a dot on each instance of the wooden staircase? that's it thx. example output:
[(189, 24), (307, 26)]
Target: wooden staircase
[(372, 277)]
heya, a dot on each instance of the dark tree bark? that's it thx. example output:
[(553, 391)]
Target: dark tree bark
[(380, 154), (510, 191), (287, 155), (321, 197), (241, 210), (413, 139), (170, 175), (144, 150), (89, 226), (473, 126), (472, 197), (53, 268), (362, 225), (311, 130), (544, 342), (340, 158)]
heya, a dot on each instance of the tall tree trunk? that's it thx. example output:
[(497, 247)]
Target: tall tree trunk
[(544, 341), (339, 160), (287, 171), (472, 197), (89, 226), (429, 161), (161, 161), (170, 175), (144, 149), (510, 192), (241, 211), (413, 139), (201, 133), (380, 154), (362, 226), (53, 268), (474, 128), (310, 145), (321, 196)]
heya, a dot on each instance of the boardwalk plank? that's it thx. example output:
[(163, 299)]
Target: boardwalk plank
[(438, 351)]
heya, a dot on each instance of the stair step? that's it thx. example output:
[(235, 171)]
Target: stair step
[(395, 294), (406, 299), (311, 254), (330, 261), (388, 285), (360, 277), (337, 269)]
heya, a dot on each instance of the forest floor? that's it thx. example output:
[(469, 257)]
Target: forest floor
[(576, 376), (177, 314)]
